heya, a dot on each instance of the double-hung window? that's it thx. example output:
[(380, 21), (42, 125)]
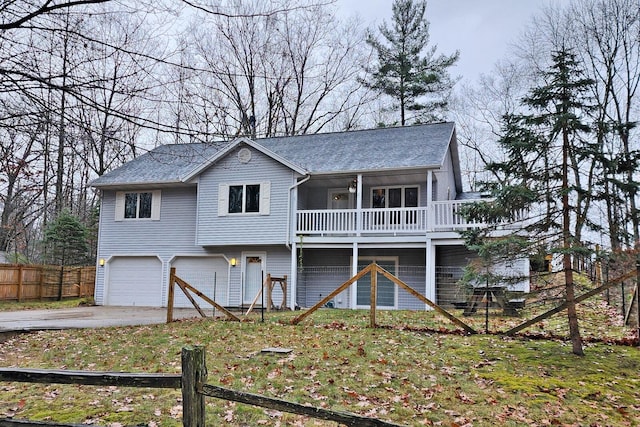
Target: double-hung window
[(244, 198), (137, 205)]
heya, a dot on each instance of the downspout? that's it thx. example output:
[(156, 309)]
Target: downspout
[(307, 178)]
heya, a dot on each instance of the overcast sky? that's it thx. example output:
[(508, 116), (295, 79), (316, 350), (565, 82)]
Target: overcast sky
[(480, 29)]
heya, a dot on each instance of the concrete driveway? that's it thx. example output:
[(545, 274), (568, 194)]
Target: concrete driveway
[(87, 317)]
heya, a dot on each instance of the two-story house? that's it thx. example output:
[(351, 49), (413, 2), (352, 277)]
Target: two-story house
[(316, 208)]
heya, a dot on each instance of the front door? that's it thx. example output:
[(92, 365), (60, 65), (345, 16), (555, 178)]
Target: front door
[(386, 297), (253, 277)]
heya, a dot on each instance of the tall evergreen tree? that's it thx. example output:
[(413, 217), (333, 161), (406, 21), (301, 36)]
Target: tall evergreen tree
[(408, 70), (65, 240), (544, 151)]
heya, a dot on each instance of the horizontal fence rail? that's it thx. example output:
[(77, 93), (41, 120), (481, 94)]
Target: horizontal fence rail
[(121, 379), (442, 215), (36, 282), (192, 382)]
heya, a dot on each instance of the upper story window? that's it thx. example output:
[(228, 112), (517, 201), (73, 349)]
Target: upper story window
[(137, 205), (394, 197), (244, 198)]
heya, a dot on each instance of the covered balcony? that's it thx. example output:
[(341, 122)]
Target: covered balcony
[(436, 216)]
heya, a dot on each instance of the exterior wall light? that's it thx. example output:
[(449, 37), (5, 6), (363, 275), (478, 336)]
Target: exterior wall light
[(101, 262), (233, 262), (353, 185)]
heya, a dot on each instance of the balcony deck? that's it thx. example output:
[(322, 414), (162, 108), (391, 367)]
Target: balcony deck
[(438, 216)]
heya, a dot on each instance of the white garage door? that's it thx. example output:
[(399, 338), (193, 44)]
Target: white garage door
[(209, 275), (135, 281)]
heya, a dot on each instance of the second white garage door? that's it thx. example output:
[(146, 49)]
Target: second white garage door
[(210, 275), (134, 281)]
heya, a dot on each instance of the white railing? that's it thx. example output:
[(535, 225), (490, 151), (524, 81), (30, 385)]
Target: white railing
[(394, 220), (327, 221), (437, 216), (446, 215)]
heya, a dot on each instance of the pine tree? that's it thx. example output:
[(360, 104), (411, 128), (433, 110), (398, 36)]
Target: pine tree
[(408, 70), (542, 149), (65, 240)]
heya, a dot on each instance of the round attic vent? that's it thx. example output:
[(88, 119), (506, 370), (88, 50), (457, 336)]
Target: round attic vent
[(244, 155)]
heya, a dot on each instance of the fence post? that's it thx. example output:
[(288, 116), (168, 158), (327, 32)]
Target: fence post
[(374, 295), (172, 284), (194, 374), (269, 284)]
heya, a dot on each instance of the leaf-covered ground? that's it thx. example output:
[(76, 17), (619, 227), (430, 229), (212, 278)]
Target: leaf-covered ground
[(44, 305), (398, 373)]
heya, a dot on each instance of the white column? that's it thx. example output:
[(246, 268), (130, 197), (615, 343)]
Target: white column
[(293, 279), (354, 271), (359, 205), (430, 273), (430, 210)]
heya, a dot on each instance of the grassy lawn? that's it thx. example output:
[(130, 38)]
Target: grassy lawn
[(396, 373)]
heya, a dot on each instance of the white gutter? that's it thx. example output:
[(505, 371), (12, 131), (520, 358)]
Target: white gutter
[(307, 178)]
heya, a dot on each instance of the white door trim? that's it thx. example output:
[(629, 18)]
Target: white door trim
[(243, 269), (396, 259)]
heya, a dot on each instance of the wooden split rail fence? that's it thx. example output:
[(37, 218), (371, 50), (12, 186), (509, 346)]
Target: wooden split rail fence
[(192, 382)]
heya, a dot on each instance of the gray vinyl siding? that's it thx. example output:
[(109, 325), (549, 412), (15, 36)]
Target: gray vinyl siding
[(411, 270), (450, 263), (173, 234), (323, 270), (453, 256), (243, 229), (446, 188), (422, 193), (326, 269), (278, 264), (317, 197)]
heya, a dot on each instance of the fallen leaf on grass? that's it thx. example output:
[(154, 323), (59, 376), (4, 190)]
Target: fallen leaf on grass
[(176, 411), (464, 398)]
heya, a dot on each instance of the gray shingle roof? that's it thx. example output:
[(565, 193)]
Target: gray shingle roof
[(383, 148), (364, 150), (165, 164)]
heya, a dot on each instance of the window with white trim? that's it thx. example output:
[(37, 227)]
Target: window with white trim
[(132, 205), (394, 197), (244, 198)]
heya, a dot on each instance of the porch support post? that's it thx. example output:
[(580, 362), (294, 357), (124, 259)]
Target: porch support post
[(430, 273), (293, 277), (354, 271), (430, 210), (359, 207)]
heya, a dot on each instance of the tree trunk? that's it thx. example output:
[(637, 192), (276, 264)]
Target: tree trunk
[(574, 329)]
